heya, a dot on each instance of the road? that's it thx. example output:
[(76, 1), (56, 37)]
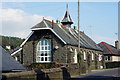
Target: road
[(111, 74)]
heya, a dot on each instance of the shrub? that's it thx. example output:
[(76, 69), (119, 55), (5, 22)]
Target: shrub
[(112, 64), (44, 65)]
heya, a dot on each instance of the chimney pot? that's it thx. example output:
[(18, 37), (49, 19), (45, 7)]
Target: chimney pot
[(117, 44)]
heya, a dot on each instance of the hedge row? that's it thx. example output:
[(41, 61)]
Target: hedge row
[(112, 64), (44, 65)]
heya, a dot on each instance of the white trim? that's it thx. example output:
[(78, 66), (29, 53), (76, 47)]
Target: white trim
[(16, 52), (31, 35), (40, 28), (92, 56), (84, 55), (53, 32), (43, 51), (27, 38), (64, 30), (46, 24), (22, 44), (58, 36), (75, 56)]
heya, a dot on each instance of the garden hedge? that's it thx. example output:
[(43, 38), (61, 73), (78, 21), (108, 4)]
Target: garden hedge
[(112, 64)]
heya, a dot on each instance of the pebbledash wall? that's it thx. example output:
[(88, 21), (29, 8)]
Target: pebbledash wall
[(64, 53), (63, 73)]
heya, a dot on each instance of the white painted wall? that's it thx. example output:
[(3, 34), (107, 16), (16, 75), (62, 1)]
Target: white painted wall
[(75, 56), (115, 58)]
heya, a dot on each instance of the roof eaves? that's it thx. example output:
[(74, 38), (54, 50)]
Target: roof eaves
[(53, 32), (16, 51), (27, 38), (58, 36)]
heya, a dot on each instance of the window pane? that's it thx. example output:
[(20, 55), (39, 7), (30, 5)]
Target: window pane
[(49, 53), (42, 59), (84, 55), (92, 56), (45, 54), (45, 47), (46, 41), (39, 53), (48, 47), (42, 42), (49, 58), (42, 47), (45, 58), (42, 53), (38, 58), (108, 57)]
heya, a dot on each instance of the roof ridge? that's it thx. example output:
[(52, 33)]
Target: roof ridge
[(101, 42), (62, 25), (108, 48)]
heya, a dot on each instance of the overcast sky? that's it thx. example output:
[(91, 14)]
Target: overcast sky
[(99, 20)]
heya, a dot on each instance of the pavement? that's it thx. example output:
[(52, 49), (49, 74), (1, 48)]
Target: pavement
[(109, 74)]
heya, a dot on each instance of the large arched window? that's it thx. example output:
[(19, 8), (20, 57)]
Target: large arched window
[(43, 51)]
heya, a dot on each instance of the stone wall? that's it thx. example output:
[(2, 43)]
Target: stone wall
[(62, 73), (61, 54)]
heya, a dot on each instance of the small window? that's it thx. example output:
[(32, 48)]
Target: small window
[(84, 55), (107, 58), (92, 56)]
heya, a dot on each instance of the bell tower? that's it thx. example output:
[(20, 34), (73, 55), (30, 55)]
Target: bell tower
[(67, 21)]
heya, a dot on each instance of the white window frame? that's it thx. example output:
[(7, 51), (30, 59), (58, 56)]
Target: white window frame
[(84, 55), (107, 58), (75, 56), (92, 56), (43, 47)]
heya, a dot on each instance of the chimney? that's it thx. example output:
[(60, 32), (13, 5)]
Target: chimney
[(117, 44)]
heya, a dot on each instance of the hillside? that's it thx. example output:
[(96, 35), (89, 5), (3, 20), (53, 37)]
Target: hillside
[(10, 41)]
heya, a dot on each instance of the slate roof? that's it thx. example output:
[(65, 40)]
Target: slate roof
[(8, 63), (69, 35), (109, 49)]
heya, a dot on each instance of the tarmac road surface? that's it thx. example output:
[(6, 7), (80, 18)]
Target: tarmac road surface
[(111, 74)]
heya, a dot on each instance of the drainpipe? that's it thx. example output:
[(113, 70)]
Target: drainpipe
[(52, 48), (33, 43)]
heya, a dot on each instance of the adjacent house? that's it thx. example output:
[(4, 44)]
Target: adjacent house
[(111, 53), (57, 42), (8, 63)]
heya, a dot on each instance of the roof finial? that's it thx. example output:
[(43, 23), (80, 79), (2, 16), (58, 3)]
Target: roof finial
[(43, 18), (67, 7)]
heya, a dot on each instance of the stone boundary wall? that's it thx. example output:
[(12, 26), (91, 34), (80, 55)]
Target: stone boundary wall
[(63, 73)]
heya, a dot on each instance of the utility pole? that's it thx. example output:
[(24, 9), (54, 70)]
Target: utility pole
[(79, 35), (79, 25)]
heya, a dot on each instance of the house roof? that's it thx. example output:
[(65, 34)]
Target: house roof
[(8, 63), (68, 35), (109, 49)]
